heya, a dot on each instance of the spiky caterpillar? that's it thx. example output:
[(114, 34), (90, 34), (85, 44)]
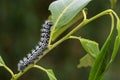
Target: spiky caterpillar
[(40, 48)]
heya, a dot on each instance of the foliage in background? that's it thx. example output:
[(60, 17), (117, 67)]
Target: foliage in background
[(61, 21)]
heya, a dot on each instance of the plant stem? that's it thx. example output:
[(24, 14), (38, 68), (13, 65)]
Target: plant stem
[(45, 70), (9, 70), (39, 67), (84, 14), (84, 22)]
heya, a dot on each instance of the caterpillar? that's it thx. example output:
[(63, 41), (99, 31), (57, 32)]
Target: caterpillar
[(39, 49)]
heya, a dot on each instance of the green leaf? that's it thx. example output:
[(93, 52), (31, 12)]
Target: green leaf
[(58, 32), (90, 47), (113, 3), (117, 42), (116, 45), (63, 11), (103, 62), (51, 74), (1, 61), (118, 27), (86, 61), (102, 59)]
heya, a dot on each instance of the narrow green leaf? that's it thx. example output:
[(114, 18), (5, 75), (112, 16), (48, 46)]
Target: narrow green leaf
[(116, 45), (118, 28), (91, 47), (86, 61), (101, 62), (51, 74), (63, 11), (117, 42), (102, 59), (1, 61)]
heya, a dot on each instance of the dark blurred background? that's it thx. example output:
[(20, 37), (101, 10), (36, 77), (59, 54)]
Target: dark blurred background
[(20, 23)]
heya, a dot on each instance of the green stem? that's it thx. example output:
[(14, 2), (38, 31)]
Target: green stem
[(115, 15), (45, 70), (39, 67), (74, 37), (84, 22), (84, 14), (9, 70)]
